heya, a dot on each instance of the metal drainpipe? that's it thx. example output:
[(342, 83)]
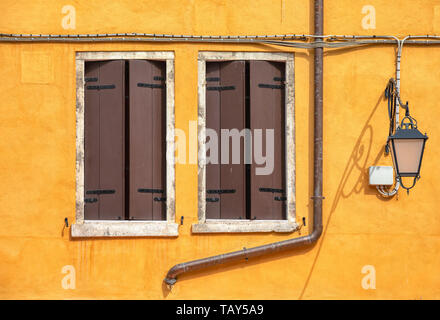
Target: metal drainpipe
[(245, 254)]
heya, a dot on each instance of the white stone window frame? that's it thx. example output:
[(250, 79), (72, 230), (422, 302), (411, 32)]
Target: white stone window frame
[(125, 228), (244, 225)]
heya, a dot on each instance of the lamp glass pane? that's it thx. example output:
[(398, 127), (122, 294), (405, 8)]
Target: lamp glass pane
[(408, 155)]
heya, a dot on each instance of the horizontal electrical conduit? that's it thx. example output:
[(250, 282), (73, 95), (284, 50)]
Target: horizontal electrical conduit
[(152, 35), (269, 42), (330, 41)]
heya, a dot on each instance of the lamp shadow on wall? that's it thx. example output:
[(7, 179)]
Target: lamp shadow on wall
[(355, 177)]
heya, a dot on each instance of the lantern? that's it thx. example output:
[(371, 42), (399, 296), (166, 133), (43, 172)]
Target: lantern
[(408, 144)]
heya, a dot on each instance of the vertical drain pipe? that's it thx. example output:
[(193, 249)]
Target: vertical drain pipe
[(318, 121), (317, 197)]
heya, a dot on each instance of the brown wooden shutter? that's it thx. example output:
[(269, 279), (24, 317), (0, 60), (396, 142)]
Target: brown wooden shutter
[(226, 182), (213, 122), (267, 112), (147, 99), (104, 140)]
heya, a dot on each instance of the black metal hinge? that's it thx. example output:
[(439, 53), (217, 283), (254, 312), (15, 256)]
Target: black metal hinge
[(90, 200), (270, 86), (280, 198), (212, 199), (220, 191), (158, 78), (150, 190), (100, 192), (279, 79), (101, 87), (160, 199), (221, 88), (150, 85), (210, 79), (271, 190), (91, 79)]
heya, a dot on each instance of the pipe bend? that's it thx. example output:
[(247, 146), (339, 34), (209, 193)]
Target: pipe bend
[(171, 277), (316, 234)]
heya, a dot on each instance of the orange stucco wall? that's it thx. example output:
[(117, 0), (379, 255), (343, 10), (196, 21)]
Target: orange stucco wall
[(400, 237)]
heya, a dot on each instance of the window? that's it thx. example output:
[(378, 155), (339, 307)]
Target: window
[(125, 130), (246, 106)]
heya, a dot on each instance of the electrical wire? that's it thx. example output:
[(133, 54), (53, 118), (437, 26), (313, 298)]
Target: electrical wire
[(300, 41), (393, 96), (137, 36)]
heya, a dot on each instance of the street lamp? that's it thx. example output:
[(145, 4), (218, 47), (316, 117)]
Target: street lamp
[(408, 145)]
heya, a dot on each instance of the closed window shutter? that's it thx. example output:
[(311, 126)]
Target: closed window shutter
[(147, 112), (213, 122), (104, 140), (225, 109), (267, 112)]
